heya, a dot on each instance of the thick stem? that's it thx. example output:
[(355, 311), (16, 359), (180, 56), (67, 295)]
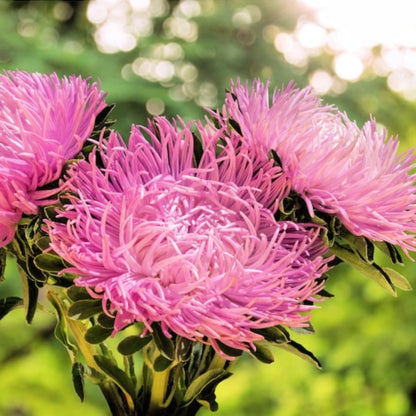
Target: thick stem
[(158, 392)]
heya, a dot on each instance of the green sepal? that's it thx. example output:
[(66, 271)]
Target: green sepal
[(97, 334), (262, 353), (132, 344), (78, 371), (361, 245), (110, 368), (8, 304), (301, 352), (85, 308)]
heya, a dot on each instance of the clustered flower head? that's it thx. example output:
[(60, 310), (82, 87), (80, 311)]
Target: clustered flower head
[(336, 167), (192, 245), (44, 121), (181, 226)]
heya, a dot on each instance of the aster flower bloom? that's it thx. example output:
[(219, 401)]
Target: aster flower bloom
[(337, 168), (192, 248), (44, 121)]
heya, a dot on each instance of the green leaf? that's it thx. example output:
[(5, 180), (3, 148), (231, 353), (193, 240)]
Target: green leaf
[(262, 353), (275, 157), (362, 246), (398, 279), (274, 334), (132, 344), (78, 293), (183, 349), (198, 149), (42, 243), (301, 352), (78, 379), (97, 334), (61, 328), (3, 258), (105, 321), (85, 308), (8, 304), (306, 330), (109, 367), (164, 344), (231, 352), (203, 381), (30, 296), (390, 250), (234, 124), (372, 271), (49, 262), (161, 363)]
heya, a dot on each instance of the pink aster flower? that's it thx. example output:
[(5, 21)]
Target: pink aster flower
[(44, 121), (337, 168), (161, 240)]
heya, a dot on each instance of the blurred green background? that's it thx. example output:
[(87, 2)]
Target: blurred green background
[(176, 57)]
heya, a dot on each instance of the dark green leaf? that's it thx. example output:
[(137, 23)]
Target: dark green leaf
[(372, 271), (307, 330), (164, 344), (30, 297), (183, 349), (109, 367), (275, 157), (8, 304), (234, 124), (132, 344), (203, 381), (301, 352), (83, 309), (231, 352), (262, 353), (97, 334), (273, 334), (78, 293), (101, 118), (105, 321), (361, 245), (43, 243), (397, 279), (3, 258), (49, 262), (161, 363), (61, 328), (78, 379), (198, 150), (390, 250)]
